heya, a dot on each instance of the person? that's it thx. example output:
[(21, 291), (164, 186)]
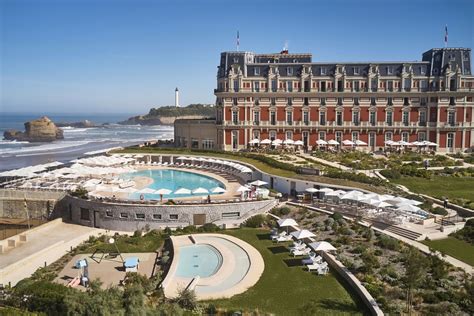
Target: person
[(445, 203), (209, 199)]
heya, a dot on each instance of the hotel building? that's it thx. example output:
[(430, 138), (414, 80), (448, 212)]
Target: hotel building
[(288, 96)]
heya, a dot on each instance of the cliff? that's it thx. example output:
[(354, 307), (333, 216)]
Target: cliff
[(40, 130), (166, 115)]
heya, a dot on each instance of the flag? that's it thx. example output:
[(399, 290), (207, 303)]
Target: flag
[(446, 35), (238, 40)]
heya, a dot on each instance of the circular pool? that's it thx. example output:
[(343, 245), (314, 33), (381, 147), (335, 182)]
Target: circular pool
[(173, 180), (198, 260)]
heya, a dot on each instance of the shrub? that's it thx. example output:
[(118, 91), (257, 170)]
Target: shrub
[(80, 192), (186, 299), (281, 211), (439, 210), (209, 228), (391, 174), (255, 221), (388, 243), (337, 216)]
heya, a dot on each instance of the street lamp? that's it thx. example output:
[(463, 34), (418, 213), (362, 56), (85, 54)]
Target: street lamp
[(112, 241)]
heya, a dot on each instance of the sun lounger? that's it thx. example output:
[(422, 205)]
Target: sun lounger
[(283, 238), (297, 247), (301, 252), (312, 260)]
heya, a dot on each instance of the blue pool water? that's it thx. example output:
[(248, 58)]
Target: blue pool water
[(173, 180), (198, 260)]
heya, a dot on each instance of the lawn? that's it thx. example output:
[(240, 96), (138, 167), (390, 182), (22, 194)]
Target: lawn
[(284, 287), (258, 164), (440, 186), (454, 247), (147, 243)]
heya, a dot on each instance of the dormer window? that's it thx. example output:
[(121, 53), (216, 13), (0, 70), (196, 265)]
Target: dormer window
[(256, 71), (295, 61), (356, 70), (236, 60), (323, 70), (389, 70), (422, 70), (289, 71)]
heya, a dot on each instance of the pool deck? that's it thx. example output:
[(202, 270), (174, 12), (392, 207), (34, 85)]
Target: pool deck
[(172, 283), (143, 182)]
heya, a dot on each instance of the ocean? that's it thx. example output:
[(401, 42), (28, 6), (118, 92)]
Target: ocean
[(77, 141)]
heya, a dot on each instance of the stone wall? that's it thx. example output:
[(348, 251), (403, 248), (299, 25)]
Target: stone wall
[(39, 204), (130, 217)]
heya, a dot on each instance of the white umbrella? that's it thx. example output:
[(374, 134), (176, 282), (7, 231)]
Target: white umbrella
[(321, 142), (381, 204), (409, 208), (322, 246), (277, 141), (312, 190), (348, 142), (333, 142), (417, 143), (144, 191), (258, 183), (288, 142), (325, 190), (404, 143), (163, 191), (409, 202), (353, 195), (243, 189), (182, 191), (254, 141), (360, 143), (389, 142), (395, 144), (200, 191), (266, 141), (287, 222), (302, 234), (218, 190), (337, 193), (298, 143)]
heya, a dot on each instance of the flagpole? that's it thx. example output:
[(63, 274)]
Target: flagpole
[(238, 41), (446, 36)]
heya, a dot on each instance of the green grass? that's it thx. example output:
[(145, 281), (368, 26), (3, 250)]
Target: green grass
[(256, 163), (454, 247), (128, 244), (284, 289), (438, 186)]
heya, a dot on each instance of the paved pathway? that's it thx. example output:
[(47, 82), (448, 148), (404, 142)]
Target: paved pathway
[(46, 244), (326, 162)]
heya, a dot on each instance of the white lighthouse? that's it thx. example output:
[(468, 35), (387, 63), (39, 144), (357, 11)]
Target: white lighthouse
[(176, 97)]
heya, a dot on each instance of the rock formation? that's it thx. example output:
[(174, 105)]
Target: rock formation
[(82, 124), (40, 130)]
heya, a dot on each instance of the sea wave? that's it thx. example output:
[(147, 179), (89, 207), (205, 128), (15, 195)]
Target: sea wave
[(12, 142), (43, 147)]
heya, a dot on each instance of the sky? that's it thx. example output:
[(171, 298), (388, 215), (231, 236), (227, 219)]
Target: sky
[(117, 56)]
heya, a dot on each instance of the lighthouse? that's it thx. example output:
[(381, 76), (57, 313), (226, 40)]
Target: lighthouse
[(176, 97)]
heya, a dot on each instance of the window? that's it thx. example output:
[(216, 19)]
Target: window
[(139, 216), (123, 215), (406, 101), (272, 135), (388, 136), (356, 101), (322, 135), (372, 115), (405, 136), (389, 70), (305, 118), (450, 141), (389, 118), (322, 118), (208, 144), (356, 70), (339, 101), (235, 117), (405, 118), (174, 216), (235, 139), (273, 118), (289, 117), (355, 118), (194, 143), (236, 60), (274, 85), (422, 118), (323, 101), (323, 70), (289, 135), (452, 101), (290, 101), (373, 101), (389, 101), (256, 71), (230, 214), (423, 101), (451, 118), (422, 70), (85, 214), (289, 86), (356, 86), (289, 71), (156, 216), (306, 101), (339, 137), (109, 214), (256, 86), (355, 136), (236, 85), (256, 118), (339, 118), (373, 84), (406, 84), (421, 136), (256, 134)]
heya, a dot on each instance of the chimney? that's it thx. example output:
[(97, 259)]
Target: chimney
[(284, 52)]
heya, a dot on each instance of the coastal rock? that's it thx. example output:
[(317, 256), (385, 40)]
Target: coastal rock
[(82, 124), (40, 130)]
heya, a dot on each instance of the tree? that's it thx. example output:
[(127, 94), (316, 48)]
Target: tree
[(186, 299), (415, 271)]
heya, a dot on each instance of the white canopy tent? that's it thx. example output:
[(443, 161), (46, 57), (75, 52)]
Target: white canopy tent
[(302, 234), (322, 246)]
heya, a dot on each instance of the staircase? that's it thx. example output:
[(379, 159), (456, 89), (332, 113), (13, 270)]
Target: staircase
[(397, 230)]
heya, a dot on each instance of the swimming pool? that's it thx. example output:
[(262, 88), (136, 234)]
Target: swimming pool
[(198, 260), (173, 180)]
